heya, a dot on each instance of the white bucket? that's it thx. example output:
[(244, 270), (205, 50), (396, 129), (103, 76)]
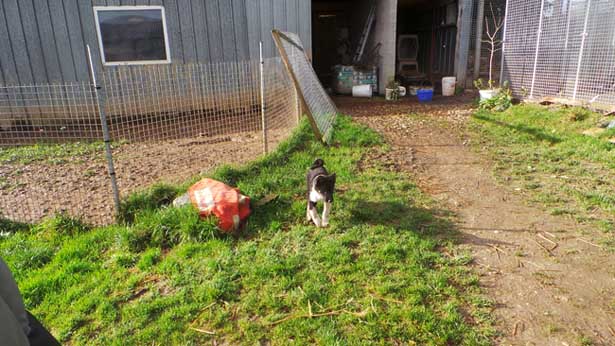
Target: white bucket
[(364, 90), (448, 86), (402, 91), (488, 94)]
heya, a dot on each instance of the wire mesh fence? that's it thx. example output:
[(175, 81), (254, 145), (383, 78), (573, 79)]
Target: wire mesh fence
[(320, 109), (167, 124), (50, 113), (561, 49)]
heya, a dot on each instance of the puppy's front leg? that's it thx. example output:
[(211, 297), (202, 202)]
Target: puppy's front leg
[(313, 212), (325, 214)]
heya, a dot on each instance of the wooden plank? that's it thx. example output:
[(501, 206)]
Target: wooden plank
[(112, 2), (292, 20), (241, 29), (7, 60), (462, 46), (254, 28), (305, 25), (33, 41), (187, 30), (8, 73), (174, 34), (155, 2), (227, 30), (18, 42), (266, 11), (96, 2), (1, 75), (60, 31), (90, 37), (129, 3), (213, 30), (199, 21), (279, 15), (73, 22), (48, 41)]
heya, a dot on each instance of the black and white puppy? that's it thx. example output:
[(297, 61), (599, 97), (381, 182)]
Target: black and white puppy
[(320, 186)]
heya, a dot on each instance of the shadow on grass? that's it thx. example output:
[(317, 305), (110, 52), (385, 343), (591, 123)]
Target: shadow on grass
[(537, 134), (9, 226), (430, 223)]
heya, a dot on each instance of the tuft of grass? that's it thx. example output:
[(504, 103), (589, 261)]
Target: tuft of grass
[(374, 276), (545, 151), (149, 200), (50, 153)]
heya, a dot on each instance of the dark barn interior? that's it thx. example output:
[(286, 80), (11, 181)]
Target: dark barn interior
[(336, 31), (434, 25)]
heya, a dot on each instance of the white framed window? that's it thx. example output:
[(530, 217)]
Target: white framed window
[(132, 35)]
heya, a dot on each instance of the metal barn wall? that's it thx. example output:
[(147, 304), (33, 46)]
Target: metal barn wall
[(43, 41)]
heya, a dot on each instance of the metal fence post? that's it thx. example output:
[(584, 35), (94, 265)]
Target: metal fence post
[(503, 42), (583, 36), (99, 96), (538, 34), (262, 86)]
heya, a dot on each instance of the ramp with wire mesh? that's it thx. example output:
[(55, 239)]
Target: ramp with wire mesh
[(321, 111)]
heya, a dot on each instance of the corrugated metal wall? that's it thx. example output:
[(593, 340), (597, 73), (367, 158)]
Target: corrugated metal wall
[(44, 41)]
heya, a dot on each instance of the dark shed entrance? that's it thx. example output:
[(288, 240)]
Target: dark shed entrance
[(426, 39)]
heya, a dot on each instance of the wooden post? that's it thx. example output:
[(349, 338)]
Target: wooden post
[(464, 29), (479, 37)]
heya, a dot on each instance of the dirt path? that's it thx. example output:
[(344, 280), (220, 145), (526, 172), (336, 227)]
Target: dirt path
[(550, 285)]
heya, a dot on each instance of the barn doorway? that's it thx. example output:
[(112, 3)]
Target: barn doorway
[(426, 39), (337, 27)]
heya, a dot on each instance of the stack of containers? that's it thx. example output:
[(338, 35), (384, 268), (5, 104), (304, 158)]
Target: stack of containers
[(348, 76)]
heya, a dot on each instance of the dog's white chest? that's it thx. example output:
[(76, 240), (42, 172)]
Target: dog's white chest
[(315, 196)]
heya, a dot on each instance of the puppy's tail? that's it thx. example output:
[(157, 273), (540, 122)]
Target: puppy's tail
[(317, 163)]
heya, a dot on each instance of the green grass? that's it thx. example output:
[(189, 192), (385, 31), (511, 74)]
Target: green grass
[(543, 153), (50, 153), (376, 275)]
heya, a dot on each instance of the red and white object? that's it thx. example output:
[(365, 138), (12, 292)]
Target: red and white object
[(226, 203)]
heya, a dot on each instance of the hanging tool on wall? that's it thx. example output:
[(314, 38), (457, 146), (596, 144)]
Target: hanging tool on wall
[(371, 17)]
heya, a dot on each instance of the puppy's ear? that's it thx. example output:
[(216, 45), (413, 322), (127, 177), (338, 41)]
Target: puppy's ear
[(317, 163)]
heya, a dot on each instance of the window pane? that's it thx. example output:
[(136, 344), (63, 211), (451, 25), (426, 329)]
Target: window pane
[(132, 35)]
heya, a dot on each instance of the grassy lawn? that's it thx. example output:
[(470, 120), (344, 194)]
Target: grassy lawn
[(377, 275), (543, 153)]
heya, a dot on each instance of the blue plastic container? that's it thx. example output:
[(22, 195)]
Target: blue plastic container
[(425, 95)]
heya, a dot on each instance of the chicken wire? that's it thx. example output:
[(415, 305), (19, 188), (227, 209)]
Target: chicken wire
[(561, 49), (167, 124), (50, 113), (321, 110)]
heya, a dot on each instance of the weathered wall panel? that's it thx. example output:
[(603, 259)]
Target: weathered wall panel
[(7, 57), (43, 41)]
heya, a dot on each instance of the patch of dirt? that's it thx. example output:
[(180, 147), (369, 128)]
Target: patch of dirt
[(81, 186), (551, 286)]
